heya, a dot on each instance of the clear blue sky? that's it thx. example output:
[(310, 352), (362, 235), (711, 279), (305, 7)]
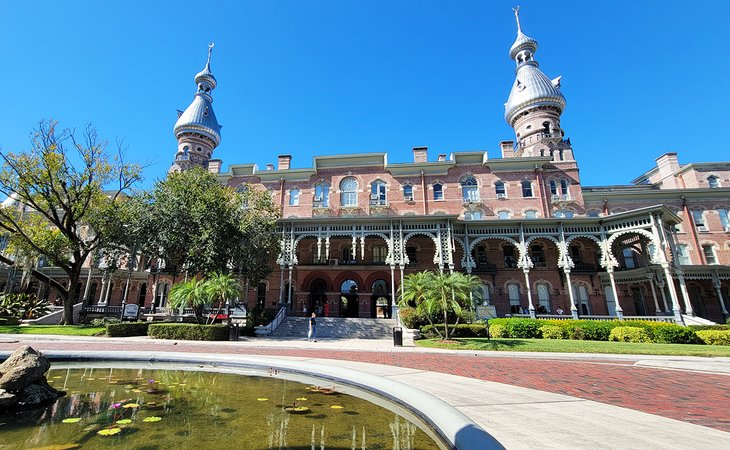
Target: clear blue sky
[(326, 77)]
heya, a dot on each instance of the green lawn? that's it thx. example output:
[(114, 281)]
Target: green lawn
[(68, 330), (569, 346)]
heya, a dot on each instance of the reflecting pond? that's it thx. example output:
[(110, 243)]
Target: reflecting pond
[(159, 409)]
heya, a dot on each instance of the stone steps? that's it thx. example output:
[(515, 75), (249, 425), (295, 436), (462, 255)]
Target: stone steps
[(337, 328)]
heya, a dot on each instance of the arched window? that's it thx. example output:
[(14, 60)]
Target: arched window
[(713, 181), (503, 215), (469, 189), (438, 191), (526, 188), (348, 286), (294, 197), (513, 291), (348, 195), (321, 195), (629, 258), (500, 190), (378, 194), (564, 187), (472, 215), (347, 255), (408, 193), (553, 187), (699, 219), (543, 298), (380, 287), (531, 214), (564, 214)]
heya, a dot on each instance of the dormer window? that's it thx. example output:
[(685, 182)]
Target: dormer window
[(713, 182), (348, 195)]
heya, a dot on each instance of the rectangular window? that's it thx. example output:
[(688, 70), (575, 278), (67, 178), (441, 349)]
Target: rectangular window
[(514, 299), (526, 189), (408, 193), (699, 220), (543, 298), (321, 196), (438, 192), (294, 197), (724, 219), (499, 189), (379, 254), (683, 255), (471, 193), (709, 254)]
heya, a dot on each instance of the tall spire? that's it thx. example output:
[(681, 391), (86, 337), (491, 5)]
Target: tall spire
[(516, 9), (197, 129)]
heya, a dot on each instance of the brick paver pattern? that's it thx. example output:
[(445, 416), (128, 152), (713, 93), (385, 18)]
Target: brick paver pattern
[(694, 397)]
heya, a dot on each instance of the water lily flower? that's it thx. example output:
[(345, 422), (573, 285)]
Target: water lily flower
[(116, 405)]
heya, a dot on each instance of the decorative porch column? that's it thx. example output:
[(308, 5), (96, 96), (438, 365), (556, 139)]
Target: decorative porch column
[(619, 310), (103, 289), (685, 294), (530, 306), (653, 293), (281, 284), (673, 294), (717, 284), (571, 295), (660, 284)]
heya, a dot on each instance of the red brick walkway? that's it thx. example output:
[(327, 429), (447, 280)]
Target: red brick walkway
[(699, 398)]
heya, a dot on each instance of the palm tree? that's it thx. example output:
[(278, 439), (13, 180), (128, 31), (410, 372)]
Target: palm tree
[(220, 288), (439, 293), (189, 293)]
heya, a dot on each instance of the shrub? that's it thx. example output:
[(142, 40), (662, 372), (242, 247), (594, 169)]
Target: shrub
[(411, 318), (524, 328), (674, 334), (9, 321), (552, 332), (190, 332), (588, 330), (629, 334), (498, 331), (104, 321), (462, 330), (709, 327), (125, 329), (714, 337)]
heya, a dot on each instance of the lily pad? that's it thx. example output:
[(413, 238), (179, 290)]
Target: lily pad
[(262, 399), (72, 420), (131, 405), (152, 419), (109, 431), (57, 447), (336, 407), (124, 421), (297, 409), (301, 399)]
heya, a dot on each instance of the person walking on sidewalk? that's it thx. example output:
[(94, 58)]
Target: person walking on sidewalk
[(312, 333)]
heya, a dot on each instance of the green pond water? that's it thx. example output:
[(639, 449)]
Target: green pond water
[(161, 409)]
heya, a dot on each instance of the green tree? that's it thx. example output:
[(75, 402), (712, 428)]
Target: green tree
[(219, 289), (198, 226), (189, 293), (65, 196), (440, 293)]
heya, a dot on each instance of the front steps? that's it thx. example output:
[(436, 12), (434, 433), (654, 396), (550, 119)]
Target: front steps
[(336, 328)]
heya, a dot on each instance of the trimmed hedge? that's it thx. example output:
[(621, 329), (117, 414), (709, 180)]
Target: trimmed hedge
[(714, 337), (498, 331), (709, 327), (125, 329), (550, 332), (629, 334), (190, 332), (462, 330), (593, 330)]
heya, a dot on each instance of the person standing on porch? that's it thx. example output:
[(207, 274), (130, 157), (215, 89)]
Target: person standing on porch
[(312, 333)]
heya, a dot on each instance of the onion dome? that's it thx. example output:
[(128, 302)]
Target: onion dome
[(531, 88), (199, 117)]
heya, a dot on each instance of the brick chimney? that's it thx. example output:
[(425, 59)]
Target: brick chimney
[(214, 165), (668, 165), (269, 166), (284, 162), (508, 149), (420, 154)]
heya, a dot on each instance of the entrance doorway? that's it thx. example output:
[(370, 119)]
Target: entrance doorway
[(317, 296), (381, 303), (349, 303)]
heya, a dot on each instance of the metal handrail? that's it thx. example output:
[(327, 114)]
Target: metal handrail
[(274, 324)]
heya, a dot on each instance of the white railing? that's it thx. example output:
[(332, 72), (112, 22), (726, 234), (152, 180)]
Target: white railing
[(274, 324), (669, 319)]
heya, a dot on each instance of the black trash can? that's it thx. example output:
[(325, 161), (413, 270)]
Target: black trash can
[(233, 332), (397, 337)]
